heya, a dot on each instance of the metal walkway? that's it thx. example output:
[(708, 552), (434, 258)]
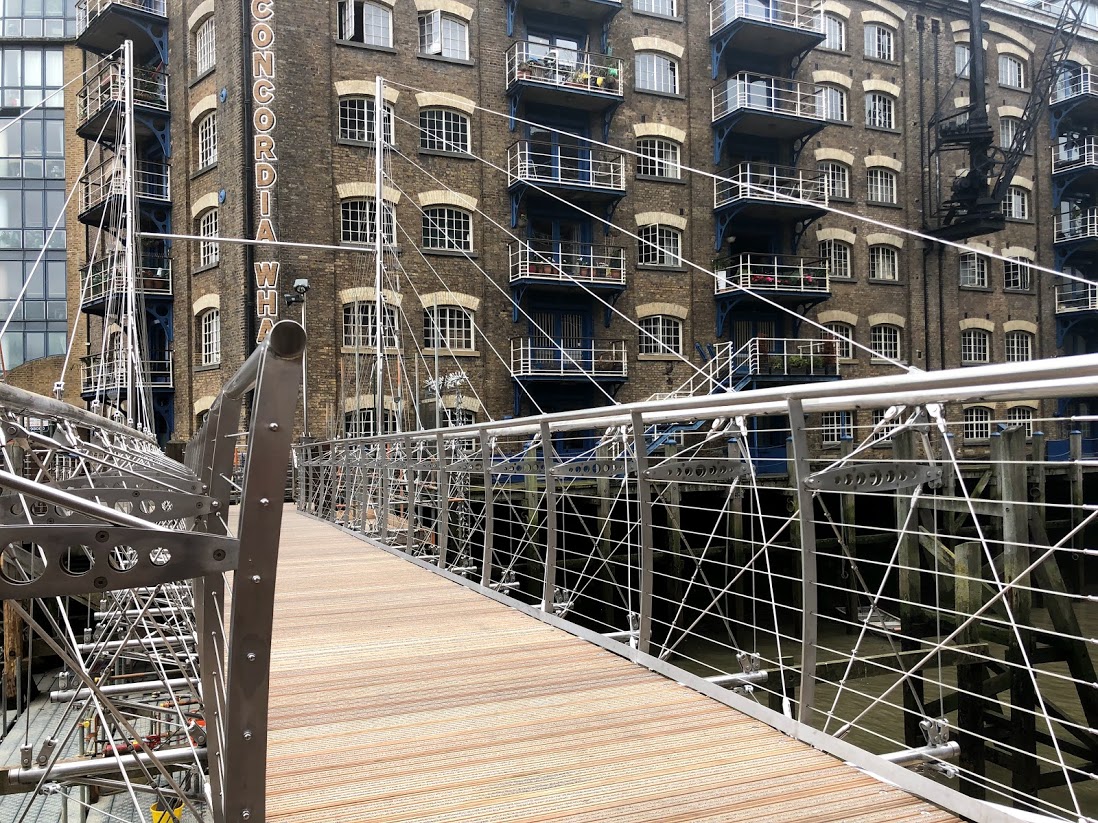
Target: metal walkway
[(397, 695)]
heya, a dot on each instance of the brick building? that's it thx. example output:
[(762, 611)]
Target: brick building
[(507, 264)]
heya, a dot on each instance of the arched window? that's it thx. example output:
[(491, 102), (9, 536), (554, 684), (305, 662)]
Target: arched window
[(356, 120), (884, 339), (1021, 416), (975, 346), (1008, 129), (360, 327), (842, 335), (207, 140), (1019, 346), (357, 219), (880, 111), (836, 254), (443, 130), (881, 185), (834, 32), (209, 337), (205, 46), (1016, 203), (1018, 274), (659, 245), (972, 271), (447, 229), (831, 103), (836, 178), (363, 21), (658, 157), (834, 426), (884, 263), (657, 72), (660, 334), (1012, 71), (962, 58), (977, 423), (449, 327), (443, 34), (880, 42), (209, 252)]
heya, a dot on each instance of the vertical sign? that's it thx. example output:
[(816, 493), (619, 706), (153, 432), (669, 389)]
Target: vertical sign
[(264, 162)]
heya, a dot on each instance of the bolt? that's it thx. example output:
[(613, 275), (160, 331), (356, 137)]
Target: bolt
[(100, 582), (246, 814), (219, 554), (256, 578), (102, 536), (251, 657), (263, 501), (272, 426), (247, 734)]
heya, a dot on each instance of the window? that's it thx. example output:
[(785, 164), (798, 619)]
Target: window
[(362, 21), (443, 35), (880, 111), (448, 327), (842, 334), (658, 158), (205, 46), (660, 334), (884, 339), (447, 229), (962, 58), (975, 346), (210, 337), (1008, 129), (207, 140), (882, 186), (880, 42), (361, 423), (659, 246), (834, 427), (973, 271), (1021, 416), (884, 263), (831, 103), (1017, 274), (977, 423), (360, 326), (356, 120), (665, 8), (1012, 71), (837, 254), (834, 33), (443, 130), (836, 179), (884, 430), (1019, 346), (1016, 203), (208, 252), (655, 72), (357, 218)]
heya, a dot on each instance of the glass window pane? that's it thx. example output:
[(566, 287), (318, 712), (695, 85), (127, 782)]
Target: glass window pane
[(33, 210), (32, 68), (55, 310), (57, 342), (55, 69), (13, 67), (11, 209), (36, 345), (13, 350), (11, 139), (55, 137)]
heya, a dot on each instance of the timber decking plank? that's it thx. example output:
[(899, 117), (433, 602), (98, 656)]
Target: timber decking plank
[(399, 696)]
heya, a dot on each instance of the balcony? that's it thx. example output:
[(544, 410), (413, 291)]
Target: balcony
[(576, 79), (1076, 297), (566, 263), (576, 9), (1080, 86), (771, 191), (1078, 228), (771, 273), (763, 106), (1078, 162), (105, 186), (776, 29), (104, 276), (544, 359), (98, 103), (103, 26), (597, 175), (113, 375)]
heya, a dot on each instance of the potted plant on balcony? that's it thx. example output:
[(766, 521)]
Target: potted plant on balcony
[(798, 364), (608, 81)]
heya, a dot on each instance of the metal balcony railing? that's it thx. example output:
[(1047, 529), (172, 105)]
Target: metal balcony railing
[(1075, 296), (758, 92), (104, 276), (109, 180), (540, 163), (806, 16), (770, 272), (108, 86), (568, 262), (565, 69), (762, 181), (88, 10), (1066, 157), (1076, 226), (580, 358), (111, 373), (1083, 81)]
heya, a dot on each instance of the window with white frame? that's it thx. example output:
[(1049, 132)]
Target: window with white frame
[(664, 8), (660, 334), (356, 120), (1018, 274), (443, 35), (836, 178), (881, 185), (207, 140), (360, 423), (880, 111), (1016, 203), (972, 271), (977, 423), (1012, 71), (360, 325), (837, 254), (443, 130), (962, 58), (880, 42), (1019, 346), (205, 46), (209, 252), (357, 219), (657, 72), (834, 33), (366, 22), (1021, 416), (842, 335), (209, 323), (884, 339), (658, 157), (1008, 130), (831, 103), (447, 229), (834, 426), (884, 429), (884, 263), (449, 327), (659, 245), (975, 346)]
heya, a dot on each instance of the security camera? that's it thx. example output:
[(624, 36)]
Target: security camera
[(301, 286)]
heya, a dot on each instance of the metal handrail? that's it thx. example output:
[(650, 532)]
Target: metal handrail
[(110, 372), (109, 179), (1084, 82), (527, 162), (88, 10), (108, 86), (763, 181), (566, 69), (605, 358), (770, 272), (1076, 226), (1066, 157), (760, 92), (806, 16), (1075, 296), (104, 275), (587, 262)]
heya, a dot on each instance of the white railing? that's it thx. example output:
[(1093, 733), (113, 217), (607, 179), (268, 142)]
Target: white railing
[(584, 358), (760, 356), (1075, 155), (108, 86), (758, 92), (565, 69), (584, 262), (104, 276), (806, 16), (1076, 226), (88, 10), (762, 181), (111, 373), (1073, 297), (531, 162), (109, 180), (770, 272), (1084, 81)]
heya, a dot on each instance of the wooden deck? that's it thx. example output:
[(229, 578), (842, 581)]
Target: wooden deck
[(399, 696)]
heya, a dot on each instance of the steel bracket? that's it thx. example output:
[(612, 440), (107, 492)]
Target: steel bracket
[(706, 471), (589, 468), (878, 477)]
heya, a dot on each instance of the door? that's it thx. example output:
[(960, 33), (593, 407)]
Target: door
[(561, 241), (558, 341), (559, 157)]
